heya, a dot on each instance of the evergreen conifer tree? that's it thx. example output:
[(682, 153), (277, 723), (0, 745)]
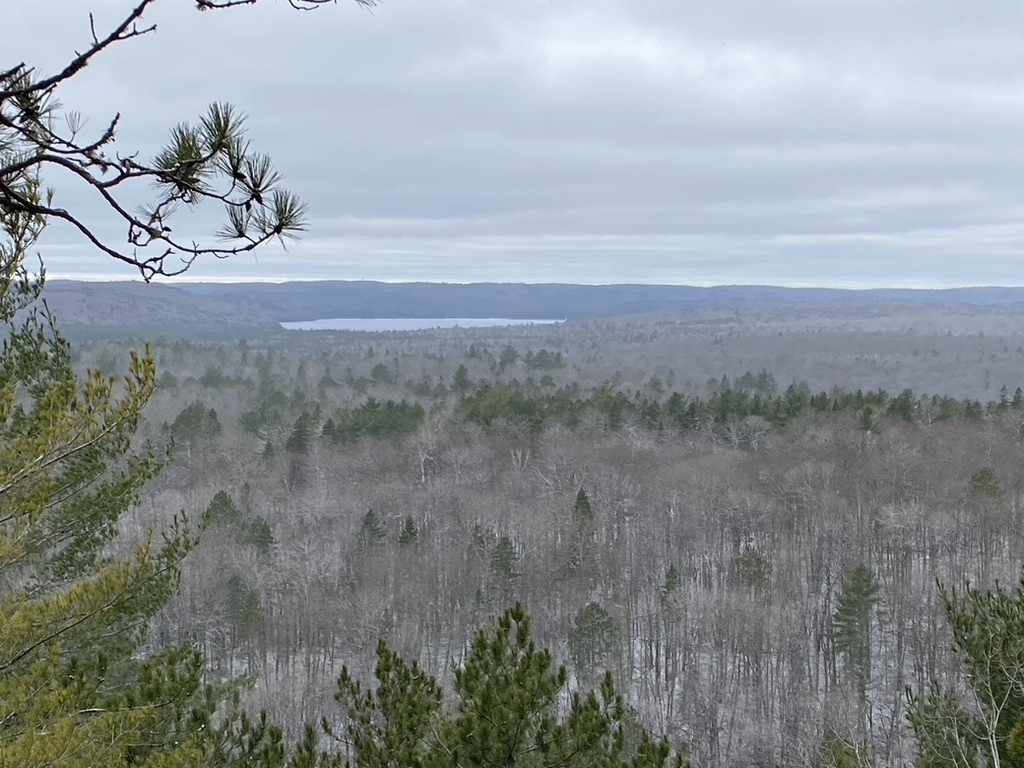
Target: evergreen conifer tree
[(372, 530), (259, 535), (75, 689), (506, 712), (410, 532), (851, 624), (583, 554), (985, 727), (461, 382), (222, 510), (505, 566), (593, 643), (79, 686)]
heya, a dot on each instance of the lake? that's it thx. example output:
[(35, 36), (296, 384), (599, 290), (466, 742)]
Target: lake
[(407, 324)]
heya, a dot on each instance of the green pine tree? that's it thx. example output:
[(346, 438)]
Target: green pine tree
[(673, 583), (505, 712), (222, 510), (851, 625), (78, 687), (752, 570), (303, 432), (371, 532), (582, 512), (594, 644), (839, 752), (259, 535), (583, 553), (396, 723), (74, 688), (987, 726), (985, 484), (410, 532), (505, 566), (244, 609), (461, 382)]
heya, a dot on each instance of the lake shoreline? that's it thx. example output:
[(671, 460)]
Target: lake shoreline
[(391, 324)]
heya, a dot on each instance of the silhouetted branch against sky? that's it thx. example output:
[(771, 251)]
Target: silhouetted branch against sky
[(850, 143)]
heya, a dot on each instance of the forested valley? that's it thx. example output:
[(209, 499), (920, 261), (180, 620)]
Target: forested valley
[(756, 561), (653, 526)]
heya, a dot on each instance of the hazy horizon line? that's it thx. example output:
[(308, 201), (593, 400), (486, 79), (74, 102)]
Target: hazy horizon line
[(187, 280)]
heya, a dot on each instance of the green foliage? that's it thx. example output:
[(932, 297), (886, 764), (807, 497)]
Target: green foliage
[(210, 161), (224, 515), (594, 644), (867, 420), (214, 378), (507, 358), (259, 535), (762, 383), (243, 609), (410, 533), (461, 382), (222, 510), (241, 741), (74, 688), (986, 728), (382, 374), (505, 566), (544, 360), (583, 555), (582, 511), (904, 406), (511, 402), (195, 422), (839, 752), (752, 570), (505, 560), (506, 712), (673, 583), (396, 724), (495, 403), (303, 432), (326, 382), (851, 623), (79, 686), (985, 484), (268, 413), (374, 419), (372, 530), (948, 736)]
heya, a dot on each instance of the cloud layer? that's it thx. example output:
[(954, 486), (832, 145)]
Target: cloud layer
[(849, 143)]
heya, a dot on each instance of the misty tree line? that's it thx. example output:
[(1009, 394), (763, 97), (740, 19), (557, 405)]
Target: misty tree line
[(740, 414), (764, 607)]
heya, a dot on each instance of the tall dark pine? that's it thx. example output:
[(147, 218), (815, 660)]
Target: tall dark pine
[(851, 624)]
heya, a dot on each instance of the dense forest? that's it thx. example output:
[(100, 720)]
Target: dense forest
[(755, 562), (683, 528)]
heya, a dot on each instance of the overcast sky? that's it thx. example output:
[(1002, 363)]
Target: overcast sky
[(843, 143)]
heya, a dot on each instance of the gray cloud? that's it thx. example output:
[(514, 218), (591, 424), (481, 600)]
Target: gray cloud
[(855, 142)]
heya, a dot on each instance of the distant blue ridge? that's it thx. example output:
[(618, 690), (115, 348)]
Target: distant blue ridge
[(298, 301)]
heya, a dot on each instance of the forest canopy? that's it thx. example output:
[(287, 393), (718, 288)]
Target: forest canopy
[(759, 571)]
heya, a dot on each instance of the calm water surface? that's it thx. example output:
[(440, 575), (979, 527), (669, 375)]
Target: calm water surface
[(406, 324)]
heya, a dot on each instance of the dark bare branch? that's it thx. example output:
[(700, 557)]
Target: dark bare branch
[(126, 30), (208, 162)]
